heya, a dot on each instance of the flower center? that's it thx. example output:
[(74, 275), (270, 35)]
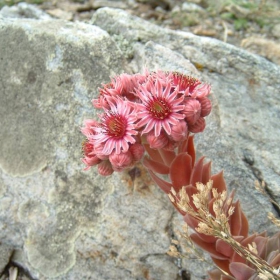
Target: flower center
[(159, 108), (115, 125)]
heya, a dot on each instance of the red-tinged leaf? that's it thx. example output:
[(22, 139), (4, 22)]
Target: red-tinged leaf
[(244, 242), (182, 147), (208, 247), (207, 238), (235, 219), (275, 261), (206, 173), (217, 274), (245, 225), (180, 171), (196, 176), (224, 277), (191, 190), (222, 264), (187, 146), (241, 271), (273, 242), (191, 149), (191, 221), (219, 182), (224, 248), (261, 243), (155, 166), (167, 156), (164, 185), (153, 153)]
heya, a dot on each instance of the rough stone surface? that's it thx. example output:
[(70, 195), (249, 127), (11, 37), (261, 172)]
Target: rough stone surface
[(24, 10), (5, 255), (68, 224)]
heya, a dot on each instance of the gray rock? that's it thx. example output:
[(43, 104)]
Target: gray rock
[(191, 7), (68, 224), (5, 256), (276, 30), (24, 10), (245, 88)]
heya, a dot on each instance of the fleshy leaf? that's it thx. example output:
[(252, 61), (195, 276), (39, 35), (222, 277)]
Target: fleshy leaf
[(180, 171), (244, 242), (164, 185), (241, 271), (261, 243), (155, 166), (153, 153), (222, 264), (196, 176), (219, 182), (208, 247), (167, 156), (224, 248), (206, 173), (236, 220), (274, 260)]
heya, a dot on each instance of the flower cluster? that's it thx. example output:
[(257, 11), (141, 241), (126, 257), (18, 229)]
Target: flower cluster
[(155, 114), (157, 110)]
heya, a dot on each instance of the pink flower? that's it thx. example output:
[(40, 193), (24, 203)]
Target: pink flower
[(161, 108), (117, 127), (123, 86)]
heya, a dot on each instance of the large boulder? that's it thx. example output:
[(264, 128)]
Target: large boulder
[(64, 223)]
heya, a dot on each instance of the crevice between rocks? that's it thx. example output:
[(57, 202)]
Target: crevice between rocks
[(248, 158)]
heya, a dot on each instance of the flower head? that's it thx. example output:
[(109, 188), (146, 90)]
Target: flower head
[(123, 86), (160, 108), (117, 127)]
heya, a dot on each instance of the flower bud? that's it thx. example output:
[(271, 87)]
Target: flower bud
[(121, 160), (157, 142), (198, 126), (206, 106), (137, 151), (90, 161), (179, 131), (105, 168), (192, 110)]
